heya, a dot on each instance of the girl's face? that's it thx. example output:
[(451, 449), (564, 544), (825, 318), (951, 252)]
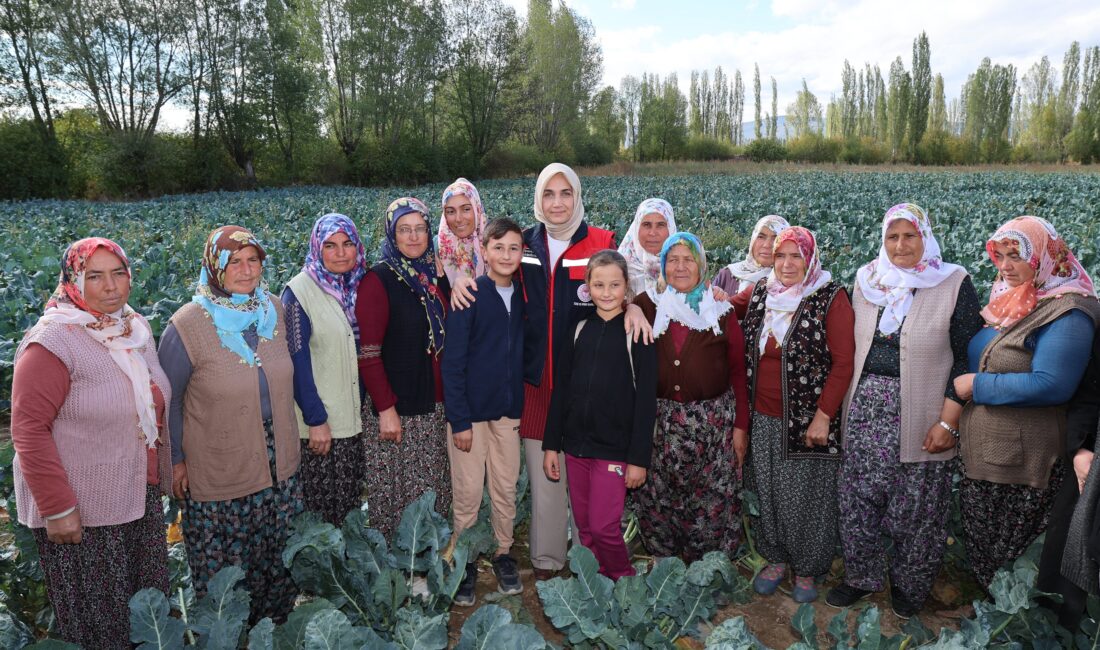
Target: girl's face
[(338, 253), (1014, 269), (904, 245), (412, 235), (557, 200), (459, 213), (607, 286), (790, 267), (762, 247), (652, 232), (243, 271), (681, 269)]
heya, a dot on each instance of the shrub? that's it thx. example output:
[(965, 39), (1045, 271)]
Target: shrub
[(765, 150), (512, 158), (813, 147), (31, 165), (705, 148)]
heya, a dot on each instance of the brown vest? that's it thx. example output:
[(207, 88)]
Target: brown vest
[(1014, 445), (223, 433), (926, 361), (700, 370)]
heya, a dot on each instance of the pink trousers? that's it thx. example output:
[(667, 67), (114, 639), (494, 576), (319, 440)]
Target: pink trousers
[(597, 491)]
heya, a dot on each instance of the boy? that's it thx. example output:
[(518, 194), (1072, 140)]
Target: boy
[(483, 392)]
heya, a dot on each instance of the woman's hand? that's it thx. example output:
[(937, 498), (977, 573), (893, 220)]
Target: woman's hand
[(464, 440), (964, 386), (179, 480), (719, 293), (1082, 461), (320, 439), (550, 465), (818, 433), (66, 530), (740, 445), (389, 425), (462, 293), (636, 324), (635, 476), (938, 439)]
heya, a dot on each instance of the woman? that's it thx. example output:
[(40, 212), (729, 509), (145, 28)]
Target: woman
[(653, 222), (401, 310), (799, 344), (1025, 364), (460, 232), (87, 480), (234, 434), (689, 505), (323, 340), (915, 315), (737, 277)]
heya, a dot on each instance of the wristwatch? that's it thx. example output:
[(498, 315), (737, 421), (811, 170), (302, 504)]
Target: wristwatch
[(950, 429)]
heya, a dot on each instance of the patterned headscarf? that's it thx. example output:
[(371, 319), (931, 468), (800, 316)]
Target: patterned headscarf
[(748, 269), (697, 308), (1057, 271), (340, 286), (120, 332), (418, 274), (782, 301), (645, 267), (233, 313), (891, 287), (461, 256), (562, 231)]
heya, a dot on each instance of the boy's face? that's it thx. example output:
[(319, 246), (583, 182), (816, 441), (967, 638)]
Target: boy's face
[(503, 255)]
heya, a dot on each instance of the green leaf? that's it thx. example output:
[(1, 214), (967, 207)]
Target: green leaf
[(803, 623), (869, 629), (220, 617), (838, 628), (414, 631), (53, 644), (419, 535), (733, 634), (586, 571), (917, 631), (633, 603), (666, 581), (568, 610), (331, 630), (262, 635), (150, 625), (292, 634), (492, 627)]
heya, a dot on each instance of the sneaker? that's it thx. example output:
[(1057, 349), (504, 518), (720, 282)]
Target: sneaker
[(902, 606), (845, 595), (464, 597), (804, 589), (767, 580), (507, 576)]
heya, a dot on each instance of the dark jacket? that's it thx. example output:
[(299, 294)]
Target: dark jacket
[(601, 410), (483, 359)]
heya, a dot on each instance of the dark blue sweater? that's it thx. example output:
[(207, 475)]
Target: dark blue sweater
[(483, 361)]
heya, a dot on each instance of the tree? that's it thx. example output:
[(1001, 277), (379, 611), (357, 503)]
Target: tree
[(26, 23), (937, 112), (849, 105), (987, 104), (756, 93), (1036, 125), (1083, 141), (737, 109), (804, 115), (630, 97), (605, 121), (663, 115), (773, 127), (920, 94), (1067, 94), (898, 106)]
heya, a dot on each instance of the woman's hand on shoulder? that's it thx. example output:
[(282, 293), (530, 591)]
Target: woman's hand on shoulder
[(462, 293), (65, 530), (389, 425), (637, 325), (719, 293)]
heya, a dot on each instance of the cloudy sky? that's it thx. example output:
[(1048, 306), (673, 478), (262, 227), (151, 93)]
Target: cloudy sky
[(796, 39)]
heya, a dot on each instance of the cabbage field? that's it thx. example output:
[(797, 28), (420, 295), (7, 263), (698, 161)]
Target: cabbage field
[(164, 236)]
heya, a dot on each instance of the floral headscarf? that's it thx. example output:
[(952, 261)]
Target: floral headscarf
[(1057, 271), (697, 308), (461, 256), (120, 332), (233, 313), (645, 267), (782, 302), (563, 231), (749, 270), (341, 286), (418, 274), (891, 287)]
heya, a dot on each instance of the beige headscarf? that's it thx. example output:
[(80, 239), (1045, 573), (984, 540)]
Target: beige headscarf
[(564, 231)]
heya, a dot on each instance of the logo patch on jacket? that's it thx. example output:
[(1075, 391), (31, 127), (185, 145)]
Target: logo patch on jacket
[(617, 469), (583, 293)]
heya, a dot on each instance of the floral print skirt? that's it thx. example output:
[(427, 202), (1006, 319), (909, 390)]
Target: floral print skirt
[(879, 495), (398, 473), (90, 583), (689, 503), (1001, 520), (333, 483), (249, 532), (798, 501)]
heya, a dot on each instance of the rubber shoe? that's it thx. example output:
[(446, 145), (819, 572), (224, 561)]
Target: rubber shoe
[(766, 582), (902, 606), (804, 589), (464, 597), (845, 595), (508, 582)]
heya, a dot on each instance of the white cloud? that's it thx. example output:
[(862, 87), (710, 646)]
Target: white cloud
[(623, 4)]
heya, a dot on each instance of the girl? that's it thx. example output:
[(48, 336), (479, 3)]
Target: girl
[(602, 417)]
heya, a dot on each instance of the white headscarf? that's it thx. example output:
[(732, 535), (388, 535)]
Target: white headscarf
[(645, 267), (782, 301), (563, 231), (695, 309), (891, 287), (749, 270)]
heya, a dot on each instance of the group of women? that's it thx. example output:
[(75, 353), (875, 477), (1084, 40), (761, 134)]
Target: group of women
[(847, 417)]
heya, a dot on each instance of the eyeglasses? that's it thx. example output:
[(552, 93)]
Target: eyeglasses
[(405, 231)]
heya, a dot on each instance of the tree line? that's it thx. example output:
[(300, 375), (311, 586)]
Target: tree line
[(281, 92)]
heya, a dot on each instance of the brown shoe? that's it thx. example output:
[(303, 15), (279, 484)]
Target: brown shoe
[(544, 574)]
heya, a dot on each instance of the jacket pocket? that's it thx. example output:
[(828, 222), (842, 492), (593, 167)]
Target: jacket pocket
[(1003, 449)]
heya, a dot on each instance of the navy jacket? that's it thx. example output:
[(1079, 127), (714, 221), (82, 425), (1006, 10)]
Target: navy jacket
[(482, 363)]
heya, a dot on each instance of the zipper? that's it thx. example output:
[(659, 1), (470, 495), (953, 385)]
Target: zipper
[(592, 371)]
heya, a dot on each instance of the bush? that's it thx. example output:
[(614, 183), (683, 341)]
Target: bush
[(863, 151), (765, 150), (813, 147), (31, 165), (705, 148), (514, 158), (589, 150)]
